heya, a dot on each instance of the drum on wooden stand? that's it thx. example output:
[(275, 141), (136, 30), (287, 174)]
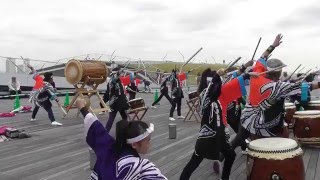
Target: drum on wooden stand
[(136, 103), (275, 159), (193, 95), (313, 105), (290, 110), (194, 108), (136, 106), (307, 126), (78, 71), (88, 72)]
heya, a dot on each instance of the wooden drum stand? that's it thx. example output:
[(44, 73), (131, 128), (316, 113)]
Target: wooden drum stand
[(82, 73)]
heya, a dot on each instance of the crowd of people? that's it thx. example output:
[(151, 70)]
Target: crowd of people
[(221, 95)]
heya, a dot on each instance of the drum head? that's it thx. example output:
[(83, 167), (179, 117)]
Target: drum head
[(308, 112), (274, 148), (73, 71), (272, 144), (288, 104)]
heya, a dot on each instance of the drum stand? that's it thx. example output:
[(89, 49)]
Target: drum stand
[(136, 112), (81, 90), (193, 106)]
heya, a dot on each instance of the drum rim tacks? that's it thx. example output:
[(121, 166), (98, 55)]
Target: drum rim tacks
[(277, 154)]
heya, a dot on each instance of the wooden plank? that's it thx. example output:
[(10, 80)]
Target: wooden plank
[(312, 164), (62, 153), (317, 174), (306, 158)]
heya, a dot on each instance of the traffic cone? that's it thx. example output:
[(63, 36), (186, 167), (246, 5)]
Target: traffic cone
[(16, 102), (156, 96), (66, 100)]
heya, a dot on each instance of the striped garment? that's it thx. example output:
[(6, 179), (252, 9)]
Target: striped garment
[(269, 113), (128, 166), (41, 91), (263, 114)]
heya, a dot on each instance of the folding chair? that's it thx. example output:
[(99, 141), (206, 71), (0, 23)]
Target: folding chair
[(193, 104), (137, 107)]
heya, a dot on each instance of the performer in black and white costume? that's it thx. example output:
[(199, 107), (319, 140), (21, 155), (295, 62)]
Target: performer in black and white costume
[(41, 95), (176, 94), (263, 115), (117, 99), (163, 92), (213, 136)]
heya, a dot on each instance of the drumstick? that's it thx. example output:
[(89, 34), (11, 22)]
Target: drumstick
[(300, 70), (190, 59), (256, 49), (307, 72), (289, 77), (232, 64), (275, 69), (306, 75), (132, 90), (63, 110), (269, 56)]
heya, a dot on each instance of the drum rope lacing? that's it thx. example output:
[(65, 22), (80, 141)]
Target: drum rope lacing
[(274, 151)]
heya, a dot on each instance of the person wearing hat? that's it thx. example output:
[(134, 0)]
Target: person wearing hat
[(119, 158), (213, 136), (117, 99), (263, 115), (43, 91)]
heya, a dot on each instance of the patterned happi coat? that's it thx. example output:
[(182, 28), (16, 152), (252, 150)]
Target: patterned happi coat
[(127, 166), (212, 133), (263, 114), (42, 92)]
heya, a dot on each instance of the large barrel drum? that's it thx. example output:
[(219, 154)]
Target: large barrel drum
[(290, 110), (307, 126), (77, 71), (274, 159)]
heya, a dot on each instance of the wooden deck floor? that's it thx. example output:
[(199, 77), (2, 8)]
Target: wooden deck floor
[(61, 152)]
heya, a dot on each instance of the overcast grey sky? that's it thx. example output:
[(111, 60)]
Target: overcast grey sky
[(148, 29)]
